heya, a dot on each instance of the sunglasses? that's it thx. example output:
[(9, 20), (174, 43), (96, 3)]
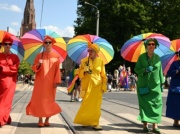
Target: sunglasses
[(151, 44), (47, 42), (90, 50), (6, 44)]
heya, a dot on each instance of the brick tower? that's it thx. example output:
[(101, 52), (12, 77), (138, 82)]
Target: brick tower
[(28, 23)]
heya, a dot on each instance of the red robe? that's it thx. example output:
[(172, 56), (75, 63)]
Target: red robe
[(42, 102), (9, 64)]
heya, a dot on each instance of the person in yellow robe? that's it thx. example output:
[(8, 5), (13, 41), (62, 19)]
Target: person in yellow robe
[(46, 66), (93, 84)]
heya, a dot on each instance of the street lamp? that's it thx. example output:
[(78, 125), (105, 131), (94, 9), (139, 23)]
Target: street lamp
[(97, 23)]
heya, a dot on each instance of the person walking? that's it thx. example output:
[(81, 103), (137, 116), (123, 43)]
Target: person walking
[(9, 64), (46, 66), (93, 84), (150, 79), (173, 98)]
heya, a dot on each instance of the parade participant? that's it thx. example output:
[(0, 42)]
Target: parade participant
[(94, 84), (74, 85), (9, 64), (109, 81), (150, 79), (115, 79), (173, 98), (46, 66)]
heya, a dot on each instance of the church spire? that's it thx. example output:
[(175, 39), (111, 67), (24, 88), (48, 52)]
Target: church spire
[(28, 22)]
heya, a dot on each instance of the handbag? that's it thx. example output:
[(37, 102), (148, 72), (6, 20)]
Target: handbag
[(143, 91)]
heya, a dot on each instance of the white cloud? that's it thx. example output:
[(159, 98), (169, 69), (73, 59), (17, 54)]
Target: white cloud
[(15, 24), (67, 32), (14, 32), (14, 8)]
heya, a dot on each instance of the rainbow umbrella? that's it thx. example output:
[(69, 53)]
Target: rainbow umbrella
[(77, 48), (33, 44), (172, 55), (16, 48), (134, 47)]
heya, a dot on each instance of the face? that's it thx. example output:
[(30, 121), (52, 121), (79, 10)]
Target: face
[(92, 53), (151, 46), (47, 44), (7, 46)]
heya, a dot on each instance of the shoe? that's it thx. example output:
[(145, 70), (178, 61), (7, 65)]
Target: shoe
[(79, 99), (72, 100), (146, 129), (97, 127), (9, 120), (176, 125), (46, 123), (156, 130), (40, 124)]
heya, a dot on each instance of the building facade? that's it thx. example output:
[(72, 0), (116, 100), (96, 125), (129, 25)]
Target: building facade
[(28, 23)]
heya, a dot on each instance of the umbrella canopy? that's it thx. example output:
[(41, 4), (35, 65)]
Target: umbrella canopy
[(168, 59), (77, 48), (134, 47), (16, 48), (33, 44)]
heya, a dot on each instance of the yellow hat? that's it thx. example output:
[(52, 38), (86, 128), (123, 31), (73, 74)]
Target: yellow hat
[(94, 46)]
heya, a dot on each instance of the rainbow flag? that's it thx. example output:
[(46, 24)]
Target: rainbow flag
[(73, 77), (71, 86)]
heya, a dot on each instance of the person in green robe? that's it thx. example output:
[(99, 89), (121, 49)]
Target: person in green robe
[(149, 86)]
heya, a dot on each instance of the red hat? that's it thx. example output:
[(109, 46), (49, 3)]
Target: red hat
[(50, 38), (7, 38)]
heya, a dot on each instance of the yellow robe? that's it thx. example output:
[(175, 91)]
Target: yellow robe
[(93, 84), (42, 102)]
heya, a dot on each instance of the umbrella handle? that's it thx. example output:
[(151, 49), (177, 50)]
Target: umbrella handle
[(90, 71)]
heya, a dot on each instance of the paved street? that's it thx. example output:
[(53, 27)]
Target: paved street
[(118, 115)]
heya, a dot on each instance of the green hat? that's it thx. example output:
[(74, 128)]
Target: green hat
[(146, 42)]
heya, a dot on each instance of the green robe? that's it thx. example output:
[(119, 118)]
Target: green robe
[(150, 105)]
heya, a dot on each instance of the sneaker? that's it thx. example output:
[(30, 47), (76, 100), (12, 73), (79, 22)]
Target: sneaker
[(97, 127), (72, 100), (79, 99)]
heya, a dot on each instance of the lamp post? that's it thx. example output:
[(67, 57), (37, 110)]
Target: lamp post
[(98, 14)]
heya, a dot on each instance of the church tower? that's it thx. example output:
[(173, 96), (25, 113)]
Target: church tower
[(28, 23)]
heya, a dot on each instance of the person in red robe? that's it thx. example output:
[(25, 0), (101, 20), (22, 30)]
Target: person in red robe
[(47, 68), (9, 64)]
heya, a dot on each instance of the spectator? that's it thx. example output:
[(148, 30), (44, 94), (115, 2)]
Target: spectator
[(110, 79)]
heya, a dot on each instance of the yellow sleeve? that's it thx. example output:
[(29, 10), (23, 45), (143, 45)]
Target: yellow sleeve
[(104, 78)]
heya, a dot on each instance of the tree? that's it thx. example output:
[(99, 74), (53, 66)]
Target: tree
[(120, 20), (25, 68)]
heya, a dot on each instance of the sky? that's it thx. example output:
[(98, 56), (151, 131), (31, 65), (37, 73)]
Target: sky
[(57, 15)]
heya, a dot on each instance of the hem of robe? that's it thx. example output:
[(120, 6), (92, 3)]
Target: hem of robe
[(148, 120), (29, 111)]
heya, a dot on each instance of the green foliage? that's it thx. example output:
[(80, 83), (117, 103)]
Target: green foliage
[(120, 20), (25, 68)]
